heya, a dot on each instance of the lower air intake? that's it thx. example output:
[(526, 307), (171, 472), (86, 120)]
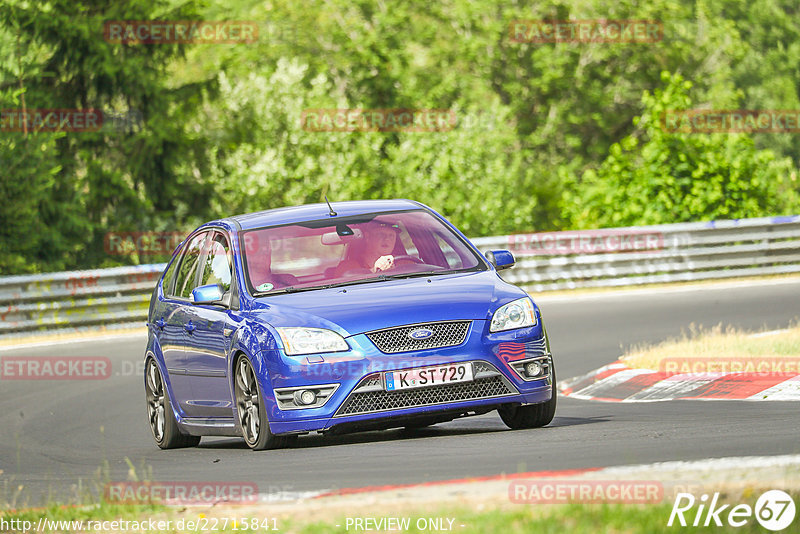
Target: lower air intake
[(489, 383)]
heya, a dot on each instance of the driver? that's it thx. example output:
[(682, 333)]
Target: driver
[(379, 243)]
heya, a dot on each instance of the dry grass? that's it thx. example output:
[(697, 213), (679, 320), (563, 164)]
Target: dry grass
[(718, 345), (65, 335), (720, 282)]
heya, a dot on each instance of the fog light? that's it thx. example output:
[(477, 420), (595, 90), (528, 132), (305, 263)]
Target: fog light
[(305, 397), (533, 369)]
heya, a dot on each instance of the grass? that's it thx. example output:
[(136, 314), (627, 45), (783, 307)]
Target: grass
[(490, 515), (718, 345), (85, 502), (544, 519), (522, 519), (67, 334)]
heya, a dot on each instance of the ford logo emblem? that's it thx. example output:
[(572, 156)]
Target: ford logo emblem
[(420, 333)]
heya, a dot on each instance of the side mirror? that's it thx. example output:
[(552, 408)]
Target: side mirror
[(501, 259), (210, 294)]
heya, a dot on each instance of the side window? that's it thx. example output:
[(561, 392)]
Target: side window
[(169, 276), (217, 263), (187, 270)]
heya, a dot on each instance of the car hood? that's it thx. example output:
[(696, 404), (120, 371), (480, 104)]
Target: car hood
[(361, 308)]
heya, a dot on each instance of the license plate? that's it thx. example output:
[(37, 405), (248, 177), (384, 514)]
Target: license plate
[(428, 376)]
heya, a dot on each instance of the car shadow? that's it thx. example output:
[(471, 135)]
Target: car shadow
[(455, 428), (575, 421)]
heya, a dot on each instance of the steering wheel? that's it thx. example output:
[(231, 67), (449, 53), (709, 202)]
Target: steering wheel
[(409, 258)]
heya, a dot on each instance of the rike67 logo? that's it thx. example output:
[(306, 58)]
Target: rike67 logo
[(774, 510)]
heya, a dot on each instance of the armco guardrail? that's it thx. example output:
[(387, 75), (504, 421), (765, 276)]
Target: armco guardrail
[(76, 298), (683, 252), (548, 261)]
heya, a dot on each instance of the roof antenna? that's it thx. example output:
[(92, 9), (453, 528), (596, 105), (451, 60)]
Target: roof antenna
[(332, 213)]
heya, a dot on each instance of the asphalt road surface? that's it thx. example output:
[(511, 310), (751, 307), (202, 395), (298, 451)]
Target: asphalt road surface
[(58, 438)]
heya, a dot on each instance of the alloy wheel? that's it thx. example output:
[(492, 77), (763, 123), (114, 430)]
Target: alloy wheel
[(247, 401), (155, 401)]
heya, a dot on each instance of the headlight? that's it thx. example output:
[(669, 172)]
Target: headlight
[(516, 314), (311, 340)]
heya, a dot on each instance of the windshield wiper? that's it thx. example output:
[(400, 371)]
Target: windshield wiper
[(290, 289), (379, 278), (425, 273)]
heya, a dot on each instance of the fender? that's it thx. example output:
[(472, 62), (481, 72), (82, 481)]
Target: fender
[(165, 379)]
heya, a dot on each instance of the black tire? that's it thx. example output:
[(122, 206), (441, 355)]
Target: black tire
[(160, 416), (251, 411), (518, 417)]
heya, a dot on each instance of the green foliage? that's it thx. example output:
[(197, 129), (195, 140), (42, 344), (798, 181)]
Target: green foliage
[(30, 167), (55, 57), (654, 176), (549, 136), (27, 241), (261, 156)]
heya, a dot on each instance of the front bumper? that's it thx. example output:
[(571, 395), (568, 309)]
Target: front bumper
[(361, 399)]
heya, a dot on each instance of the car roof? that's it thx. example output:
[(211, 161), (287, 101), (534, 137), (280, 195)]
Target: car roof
[(312, 212)]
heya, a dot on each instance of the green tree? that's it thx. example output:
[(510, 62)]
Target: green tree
[(109, 179), (221, 130), (655, 176), (27, 243)]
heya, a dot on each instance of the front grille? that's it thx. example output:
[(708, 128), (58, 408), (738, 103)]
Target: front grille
[(489, 383), (445, 334)]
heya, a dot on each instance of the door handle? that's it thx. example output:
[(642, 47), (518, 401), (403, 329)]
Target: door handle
[(161, 323), (189, 327)]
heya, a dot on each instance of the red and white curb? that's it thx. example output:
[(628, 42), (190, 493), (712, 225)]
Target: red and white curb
[(617, 382), (693, 475), (491, 478)]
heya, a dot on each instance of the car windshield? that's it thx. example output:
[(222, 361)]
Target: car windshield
[(352, 250)]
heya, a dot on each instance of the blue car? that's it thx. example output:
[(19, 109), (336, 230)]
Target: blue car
[(339, 318)]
